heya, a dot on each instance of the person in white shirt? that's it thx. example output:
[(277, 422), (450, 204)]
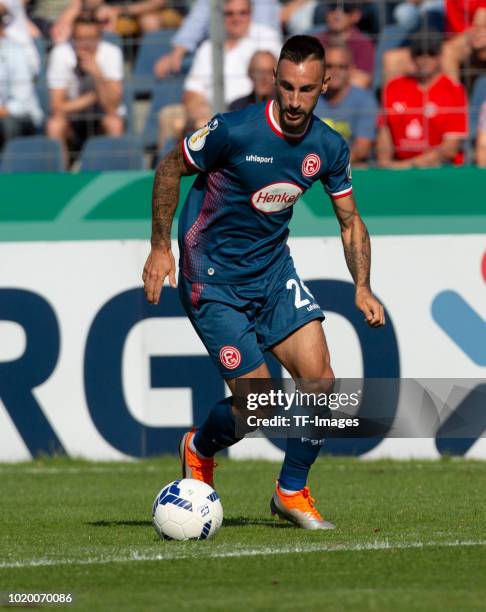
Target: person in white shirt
[(18, 32), (243, 39), (85, 80), (20, 113)]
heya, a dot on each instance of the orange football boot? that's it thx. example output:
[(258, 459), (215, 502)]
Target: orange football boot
[(298, 508), (194, 466)]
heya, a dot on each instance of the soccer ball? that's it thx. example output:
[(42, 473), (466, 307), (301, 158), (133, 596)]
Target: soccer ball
[(187, 510)]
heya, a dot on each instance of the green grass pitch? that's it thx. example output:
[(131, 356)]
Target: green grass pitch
[(410, 536)]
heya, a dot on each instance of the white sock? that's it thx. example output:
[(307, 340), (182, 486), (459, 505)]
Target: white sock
[(286, 491), (194, 449)]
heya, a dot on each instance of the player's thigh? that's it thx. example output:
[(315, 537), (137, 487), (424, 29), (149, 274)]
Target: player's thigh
[(224, 327), (305, 354), (290, 326)]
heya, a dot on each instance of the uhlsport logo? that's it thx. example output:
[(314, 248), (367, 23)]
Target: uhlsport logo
[(230, 357), (276, 196), (311, 164)]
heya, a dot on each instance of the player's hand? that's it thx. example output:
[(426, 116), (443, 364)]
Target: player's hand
[(160, 264), (371, 308)]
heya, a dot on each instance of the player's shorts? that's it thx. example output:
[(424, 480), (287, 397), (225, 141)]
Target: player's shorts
[(238, 323)]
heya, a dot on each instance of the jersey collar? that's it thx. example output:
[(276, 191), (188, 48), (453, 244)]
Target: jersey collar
[(275, 126)]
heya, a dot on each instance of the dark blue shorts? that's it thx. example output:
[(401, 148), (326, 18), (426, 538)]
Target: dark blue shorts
[(237, 323)]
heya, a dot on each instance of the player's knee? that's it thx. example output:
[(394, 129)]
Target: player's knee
[(319, 379)]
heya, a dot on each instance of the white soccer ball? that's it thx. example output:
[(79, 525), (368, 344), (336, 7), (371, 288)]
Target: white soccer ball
[(187, 510)]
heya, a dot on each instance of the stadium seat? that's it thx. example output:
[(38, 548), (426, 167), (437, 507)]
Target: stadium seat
[(104, 153), (153, 45), (168, 91), (32, 154)]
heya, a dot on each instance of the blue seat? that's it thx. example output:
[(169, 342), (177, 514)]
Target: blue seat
[(153, 45), (32, 154), (168, 91), (105, 153)]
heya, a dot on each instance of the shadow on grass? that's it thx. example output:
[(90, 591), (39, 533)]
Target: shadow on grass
[(243, 521), (232, 521), (119, 523)]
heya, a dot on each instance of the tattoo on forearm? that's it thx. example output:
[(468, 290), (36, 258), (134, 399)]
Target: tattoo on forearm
[(165, 197), (357, 252), (344, 213)]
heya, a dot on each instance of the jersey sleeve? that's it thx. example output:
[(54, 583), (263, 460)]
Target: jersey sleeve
[(206, 148), (337, 181)]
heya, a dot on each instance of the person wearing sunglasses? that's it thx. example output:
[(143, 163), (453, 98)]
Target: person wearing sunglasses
[(195, 28), (350, 110), (341, 21), (243, 38)]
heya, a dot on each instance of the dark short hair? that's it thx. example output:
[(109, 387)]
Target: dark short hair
[(300, 48), (87, 18), (426, 44)]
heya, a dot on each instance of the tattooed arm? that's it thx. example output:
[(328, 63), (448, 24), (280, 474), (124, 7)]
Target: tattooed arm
[(357, 251), (165, 197)]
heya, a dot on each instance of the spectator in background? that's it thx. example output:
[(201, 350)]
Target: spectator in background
[(243, 39), (297, 16), (18, 31), (481, 138), (20, 113), (85, 80), (195, 29), (424, 116), (464, 56), (461, 14), (123, 18), (341, 20), (392, 57), (261, 73), (350, 110)]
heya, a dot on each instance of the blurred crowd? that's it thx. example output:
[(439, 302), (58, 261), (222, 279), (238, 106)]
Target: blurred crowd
[(407, 78)]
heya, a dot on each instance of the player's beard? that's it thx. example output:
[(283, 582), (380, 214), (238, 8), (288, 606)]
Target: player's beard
[(296, 126)]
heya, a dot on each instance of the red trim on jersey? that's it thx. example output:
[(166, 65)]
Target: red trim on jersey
[(187, 156), (276, 129), (341, 194), (271, 121)]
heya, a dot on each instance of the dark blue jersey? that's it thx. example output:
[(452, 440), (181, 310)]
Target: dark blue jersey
[(234, 224)]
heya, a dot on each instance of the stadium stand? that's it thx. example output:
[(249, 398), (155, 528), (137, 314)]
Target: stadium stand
[(165, 93), (388, 26), (32, 154), (152, 46), (103, 153)]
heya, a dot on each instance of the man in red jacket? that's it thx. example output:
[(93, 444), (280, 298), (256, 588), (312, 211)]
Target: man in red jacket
[(424, 116)]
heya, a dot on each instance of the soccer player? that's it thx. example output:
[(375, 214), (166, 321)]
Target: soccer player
[(237, 280)]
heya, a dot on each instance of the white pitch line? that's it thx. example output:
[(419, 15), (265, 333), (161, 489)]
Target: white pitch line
[(238, 552)]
